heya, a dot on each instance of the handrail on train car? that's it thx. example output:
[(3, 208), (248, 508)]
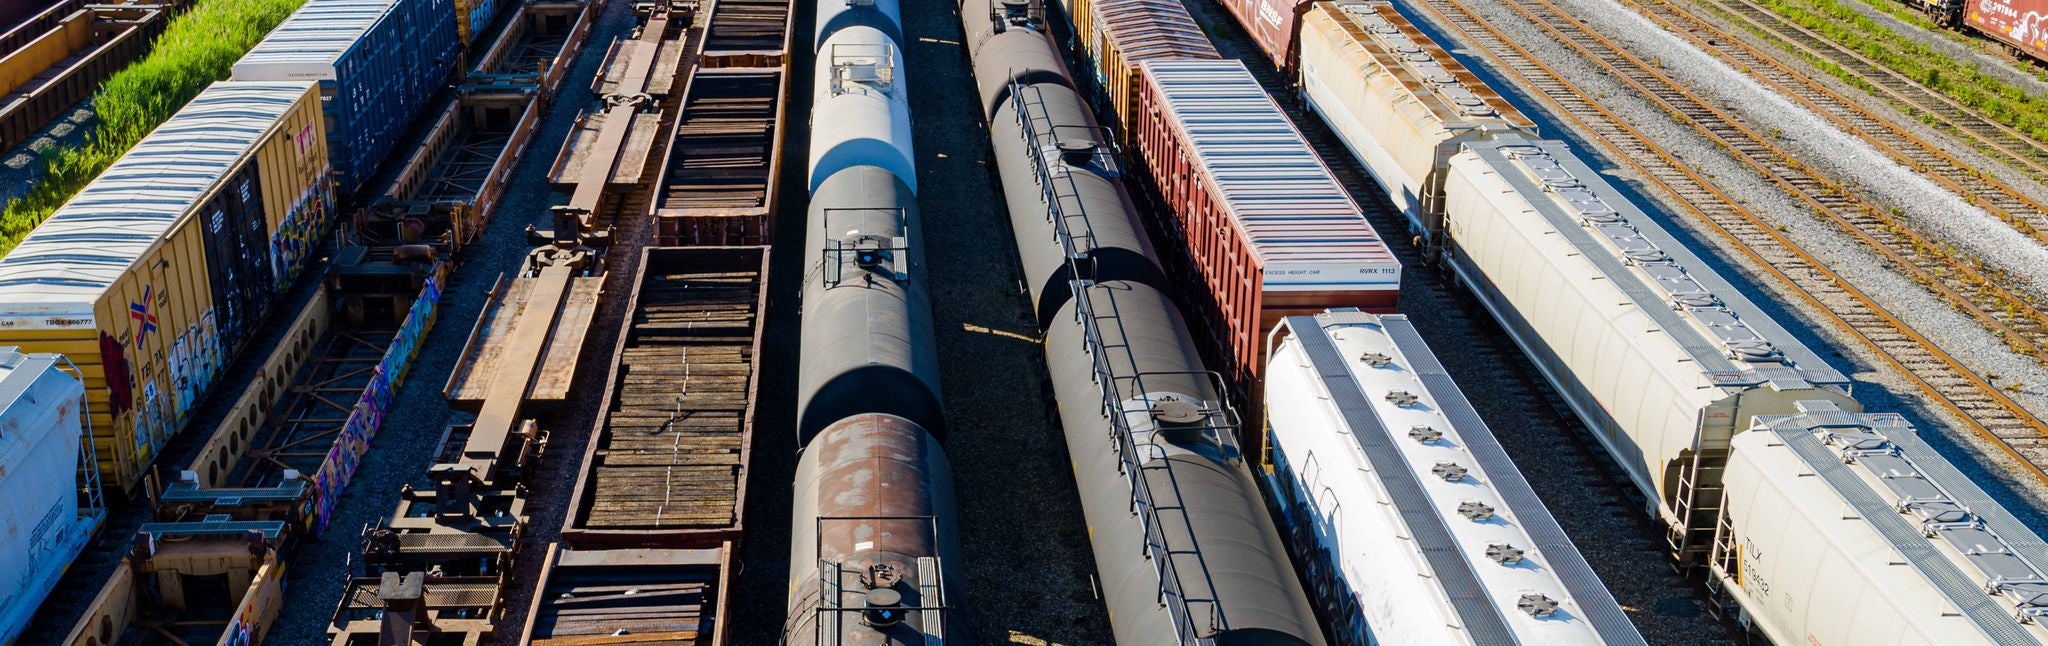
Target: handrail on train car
[(1081, 275), (830, 586)]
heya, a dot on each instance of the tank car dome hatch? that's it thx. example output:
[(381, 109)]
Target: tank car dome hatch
[(882, 608)]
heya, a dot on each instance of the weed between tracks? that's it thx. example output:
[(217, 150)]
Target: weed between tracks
[(1992, 97), (196, 49)]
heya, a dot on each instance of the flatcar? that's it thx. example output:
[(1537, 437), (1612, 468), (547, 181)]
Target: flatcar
[(152, 298), (1182, 542), (377, 63), (874, 547), (1412, 523), (48, 495)]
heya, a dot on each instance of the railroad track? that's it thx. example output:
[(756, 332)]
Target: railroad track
[(2024, 213), (1982, 407), (1993, 138)]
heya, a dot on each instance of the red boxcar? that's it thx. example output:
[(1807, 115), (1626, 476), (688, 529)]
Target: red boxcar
[(1273, 23), (2020, 24), (1269, 231)]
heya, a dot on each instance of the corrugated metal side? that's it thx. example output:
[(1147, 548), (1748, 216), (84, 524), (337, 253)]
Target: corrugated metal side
[(378, 62), (157, 272), (2019, 23), (1117, 34), (39, 439), (1266, 226)]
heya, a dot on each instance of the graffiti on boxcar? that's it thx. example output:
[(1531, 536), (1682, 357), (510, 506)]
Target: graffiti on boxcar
[(297, 232), (114, 364), (368, 415)]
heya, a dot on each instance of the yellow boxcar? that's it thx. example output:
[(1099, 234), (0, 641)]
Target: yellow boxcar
[(1119, 34), (155, 274)]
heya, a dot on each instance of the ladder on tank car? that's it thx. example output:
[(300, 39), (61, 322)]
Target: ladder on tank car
[(1057, 190)]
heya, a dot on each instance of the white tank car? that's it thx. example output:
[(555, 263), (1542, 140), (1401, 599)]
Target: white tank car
[(1663, 359), (1399, 103), (1413, 525), (859, 85), (1844, 528)]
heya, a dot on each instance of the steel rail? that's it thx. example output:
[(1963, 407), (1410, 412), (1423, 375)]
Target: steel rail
[(2030, 154), (1984, 409), (2024, 213)]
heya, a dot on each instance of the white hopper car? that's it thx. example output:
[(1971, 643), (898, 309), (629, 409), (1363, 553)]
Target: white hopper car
[(1397, 101), (1411, 522), (1844, 528)]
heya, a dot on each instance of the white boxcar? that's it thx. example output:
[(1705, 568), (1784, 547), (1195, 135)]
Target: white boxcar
[(1399, 102), (1414, 525), (1663, 359), (1844, 528), (40, 516), (862, 114)]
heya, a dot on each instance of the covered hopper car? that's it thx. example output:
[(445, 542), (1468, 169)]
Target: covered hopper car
[(1411, 522), (153, 277), (49, 498)]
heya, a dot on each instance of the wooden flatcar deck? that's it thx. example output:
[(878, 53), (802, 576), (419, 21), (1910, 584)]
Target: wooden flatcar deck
[(667, 467)]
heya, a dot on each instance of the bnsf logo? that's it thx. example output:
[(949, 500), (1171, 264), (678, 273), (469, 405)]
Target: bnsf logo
[(1268, 14)]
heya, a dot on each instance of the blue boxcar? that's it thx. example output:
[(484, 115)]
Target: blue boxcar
[(377, 61)]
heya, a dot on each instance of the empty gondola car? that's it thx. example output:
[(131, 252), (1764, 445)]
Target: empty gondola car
[(1181, 537), (1410, 521), (874, 555), (628, 597), (154, 276)]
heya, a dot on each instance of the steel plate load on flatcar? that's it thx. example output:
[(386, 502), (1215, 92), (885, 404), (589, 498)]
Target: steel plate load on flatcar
[(1846, 528), (1400, 103), (1266, 230), (377, 61), (1413, 524), (1661, 357), (156, 273), (49, 494)]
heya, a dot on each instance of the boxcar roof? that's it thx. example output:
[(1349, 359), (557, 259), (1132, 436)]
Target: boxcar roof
[(1274, 184), (83, 248), (314, 38), (1153, 29)]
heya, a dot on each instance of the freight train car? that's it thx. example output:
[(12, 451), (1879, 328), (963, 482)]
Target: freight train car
[(1661, 357), (666, 466), (218, 582), (156, 273), (874, 548), (1400, 103), (377, 62), (1844, 528), (58, 58), (1266, 230), (49, 498), (1411, 522), (2020, 26), (632, 597), (1181, 537), (1116, 35)]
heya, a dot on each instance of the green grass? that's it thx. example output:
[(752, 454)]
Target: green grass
[(1989, 95), (196, 49)]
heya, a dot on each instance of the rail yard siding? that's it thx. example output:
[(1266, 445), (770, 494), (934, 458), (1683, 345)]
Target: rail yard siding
[(154, 275), (377, 61), (2020, 23), (368, 414), (1268, 227)]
